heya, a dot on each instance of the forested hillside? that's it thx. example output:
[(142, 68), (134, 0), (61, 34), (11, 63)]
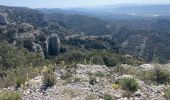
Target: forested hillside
[(145, 37)]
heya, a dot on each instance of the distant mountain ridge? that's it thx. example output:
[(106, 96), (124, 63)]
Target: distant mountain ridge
[(131, 10)]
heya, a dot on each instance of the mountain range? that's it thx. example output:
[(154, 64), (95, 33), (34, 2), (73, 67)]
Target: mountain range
[(127, 10)]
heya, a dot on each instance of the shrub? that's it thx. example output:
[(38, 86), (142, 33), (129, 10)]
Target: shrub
[(15, 62), (167, 94), (129, 84), (13, 57), (18, 82), (115, 86), (92, 81), (109, 61), (9, 95), (108, 97), (160, 75), (97, 59), (107, 57), (157, 75), (49, 78)]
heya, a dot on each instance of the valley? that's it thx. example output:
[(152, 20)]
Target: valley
[(105, 53)]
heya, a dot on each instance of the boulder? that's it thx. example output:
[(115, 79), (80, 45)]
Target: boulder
[(53, 45), (118, 96), (138, 93)]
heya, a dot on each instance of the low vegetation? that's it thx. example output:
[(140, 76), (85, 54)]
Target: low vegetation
[(49, 78), (108, 97), (17, 65), (9, 95), (92, 80), (161, 76), (158, 76), (167, 94), (129, 84), (115, 86), (90, 97), (98, 57)]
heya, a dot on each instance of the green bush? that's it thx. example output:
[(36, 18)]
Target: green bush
[(160, 76), (109, 61), (97, 59), (129, 84), (108, 97), (18, 82), (15, 64), (100, 57), (157, 75), (13, 57), (9, 95), (49, 78), (167, 94)]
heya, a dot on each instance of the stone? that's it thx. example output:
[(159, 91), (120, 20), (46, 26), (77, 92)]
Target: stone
[(124, 76), (117, 96), (138, 93), (28, 91), (146, 67)]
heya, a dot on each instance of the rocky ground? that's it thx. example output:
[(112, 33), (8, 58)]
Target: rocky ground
[(76, 85)]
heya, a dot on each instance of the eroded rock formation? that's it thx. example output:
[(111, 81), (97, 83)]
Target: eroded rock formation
[(53, 45), (3, 20)]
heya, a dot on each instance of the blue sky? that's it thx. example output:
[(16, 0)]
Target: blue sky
[(75, 3)]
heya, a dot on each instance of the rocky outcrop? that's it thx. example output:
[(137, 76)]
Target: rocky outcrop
[(45, 48), (77, 86), (50, 45), (3, 20), (33, 47), (53, 45), (147, 67), (37, 48)]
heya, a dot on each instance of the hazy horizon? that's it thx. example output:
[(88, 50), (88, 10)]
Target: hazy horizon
[(75, 3)]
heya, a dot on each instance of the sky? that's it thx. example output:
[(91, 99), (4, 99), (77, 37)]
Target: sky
[(75, 3)]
